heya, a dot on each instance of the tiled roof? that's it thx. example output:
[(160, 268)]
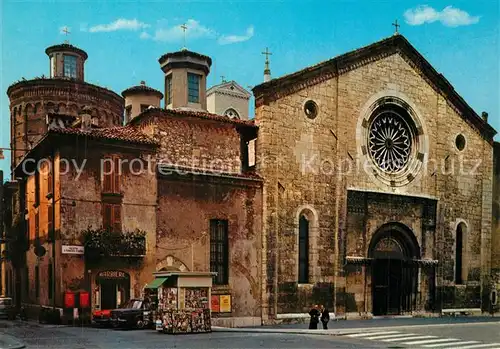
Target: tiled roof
[(194, 113), (141, 89), (118, 133)]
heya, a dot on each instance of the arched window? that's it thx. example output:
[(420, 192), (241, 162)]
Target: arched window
[(459, 249), (303, 250), (233, 114)]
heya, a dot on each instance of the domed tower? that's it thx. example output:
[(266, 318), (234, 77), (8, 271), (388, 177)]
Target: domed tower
[(185, 79), (66, 61), (139, 98), (64, 92)]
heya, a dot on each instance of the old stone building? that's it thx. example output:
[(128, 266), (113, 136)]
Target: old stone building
[(377, 188), (495, 237), (102, 206)]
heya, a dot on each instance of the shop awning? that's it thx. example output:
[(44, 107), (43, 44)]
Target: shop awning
[(156, 283)]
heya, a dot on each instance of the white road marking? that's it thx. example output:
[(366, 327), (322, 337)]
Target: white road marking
[(407, 338), (439, 340), (453, 345), (391, 336), (489, 345), (366, 334)]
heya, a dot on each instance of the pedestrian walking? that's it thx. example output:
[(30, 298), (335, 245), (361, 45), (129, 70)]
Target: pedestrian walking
[(325, 317), (315, 314)]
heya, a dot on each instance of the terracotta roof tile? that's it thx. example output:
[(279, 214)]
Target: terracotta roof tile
[(118, 133), (196, 114), (141, 89)]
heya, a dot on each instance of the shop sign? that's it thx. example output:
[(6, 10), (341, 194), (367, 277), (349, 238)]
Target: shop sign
[(215, 304), (112, 274), (225, 304), (69, 300), (72, 249)]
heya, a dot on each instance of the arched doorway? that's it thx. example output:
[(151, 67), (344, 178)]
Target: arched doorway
[(394, 276)]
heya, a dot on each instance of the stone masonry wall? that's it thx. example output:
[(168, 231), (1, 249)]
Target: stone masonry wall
[(300, 158)]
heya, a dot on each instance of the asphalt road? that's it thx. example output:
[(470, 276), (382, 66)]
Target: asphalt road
[(419, 333), (34, 336)]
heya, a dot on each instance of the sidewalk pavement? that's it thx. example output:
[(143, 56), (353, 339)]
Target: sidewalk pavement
[(8, 342), (345, 327)]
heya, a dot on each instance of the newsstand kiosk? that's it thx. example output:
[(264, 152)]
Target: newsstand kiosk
[(183, 301)]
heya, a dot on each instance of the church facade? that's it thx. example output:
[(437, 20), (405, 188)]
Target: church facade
[(378, 188)]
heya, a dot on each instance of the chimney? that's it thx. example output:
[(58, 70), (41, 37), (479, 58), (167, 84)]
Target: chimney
[(484, 115)]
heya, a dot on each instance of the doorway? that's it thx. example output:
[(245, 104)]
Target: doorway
[(394, 276), (114, 288)]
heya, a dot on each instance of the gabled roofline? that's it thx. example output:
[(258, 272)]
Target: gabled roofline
[(240, 89), (280, 87)]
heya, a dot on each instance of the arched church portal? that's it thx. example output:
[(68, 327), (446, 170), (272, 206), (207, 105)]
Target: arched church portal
[(394, 276)]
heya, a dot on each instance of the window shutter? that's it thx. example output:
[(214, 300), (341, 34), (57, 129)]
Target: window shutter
[(117, 218), (116, 176), (49, 183), (107, 176)]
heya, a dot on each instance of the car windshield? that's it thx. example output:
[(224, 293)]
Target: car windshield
[(5, 301), (132, 304)]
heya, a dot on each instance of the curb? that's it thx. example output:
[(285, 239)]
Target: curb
[(8, 342)]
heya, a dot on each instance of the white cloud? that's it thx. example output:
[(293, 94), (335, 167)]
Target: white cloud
[(449, 16), (195, 30), (173, 34), (144, 35), (232, 39), (119, 24)]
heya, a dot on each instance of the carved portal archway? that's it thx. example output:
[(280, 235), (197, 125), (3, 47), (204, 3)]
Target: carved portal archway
[(394, 276)]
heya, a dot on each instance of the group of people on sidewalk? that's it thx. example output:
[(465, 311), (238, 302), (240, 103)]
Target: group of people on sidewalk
[(319, 313)]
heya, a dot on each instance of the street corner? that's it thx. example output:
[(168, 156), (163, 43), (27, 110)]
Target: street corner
[(9, 342)]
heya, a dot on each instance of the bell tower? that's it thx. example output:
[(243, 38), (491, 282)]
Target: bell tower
[(185, 79)]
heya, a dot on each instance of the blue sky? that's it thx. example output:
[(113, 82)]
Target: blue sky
[(125, 39)]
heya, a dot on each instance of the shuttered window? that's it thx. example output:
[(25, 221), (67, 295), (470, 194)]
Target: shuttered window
[(219, 251), (112, 219), (111, 175)]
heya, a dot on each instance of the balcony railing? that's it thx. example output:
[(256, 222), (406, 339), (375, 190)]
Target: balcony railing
[(103, 243)]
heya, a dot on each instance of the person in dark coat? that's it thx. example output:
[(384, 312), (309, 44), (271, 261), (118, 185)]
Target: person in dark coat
[(315, 314), (325, 317)]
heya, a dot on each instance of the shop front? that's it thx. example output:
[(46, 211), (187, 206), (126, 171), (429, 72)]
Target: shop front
[(112, 289), (183, 301)]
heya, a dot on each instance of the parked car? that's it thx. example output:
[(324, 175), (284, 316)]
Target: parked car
[(7, 309), (101, 317), (136, 313)]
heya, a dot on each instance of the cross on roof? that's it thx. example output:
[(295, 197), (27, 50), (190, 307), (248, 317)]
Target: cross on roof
[(184, 28), (223, 78), (66, 32), (396, 26), (267, 53)]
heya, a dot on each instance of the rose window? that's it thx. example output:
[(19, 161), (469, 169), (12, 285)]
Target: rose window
[(390, 142)]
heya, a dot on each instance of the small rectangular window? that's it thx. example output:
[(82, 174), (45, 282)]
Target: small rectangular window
[(128, 113), (111, 219), (193, 88), (219, 251), (144, 107), (111, 175), (69, 66), (168, 89)]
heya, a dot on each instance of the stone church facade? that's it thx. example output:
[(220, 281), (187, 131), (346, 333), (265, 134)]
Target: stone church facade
[(378, 188)]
